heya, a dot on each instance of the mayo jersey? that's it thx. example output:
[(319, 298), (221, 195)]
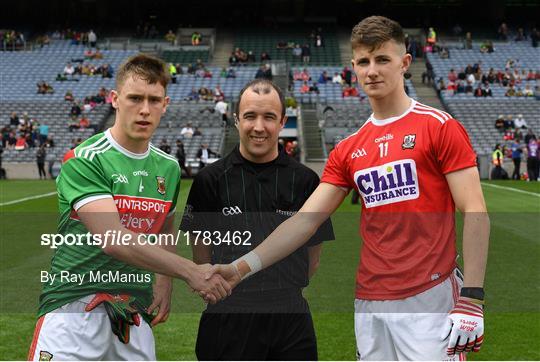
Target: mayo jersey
[(143, 186), (398, 166)]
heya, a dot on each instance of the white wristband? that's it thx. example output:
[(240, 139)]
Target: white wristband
[(248, 264)]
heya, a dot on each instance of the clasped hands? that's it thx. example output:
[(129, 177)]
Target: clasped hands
[(213, 282)]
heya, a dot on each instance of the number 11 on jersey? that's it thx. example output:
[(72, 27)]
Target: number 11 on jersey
[(383, 148)]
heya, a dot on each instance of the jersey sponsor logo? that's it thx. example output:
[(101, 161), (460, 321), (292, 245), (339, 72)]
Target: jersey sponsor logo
[(386, 137), (140, 173), (140, 214), (233, 210), (119, 178), (358, 153), (389, 183), (285, 213), (160, 184), (140, 204), (408, 142)]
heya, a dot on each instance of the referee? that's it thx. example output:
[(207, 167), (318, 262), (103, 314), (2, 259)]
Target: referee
[(240, 200)]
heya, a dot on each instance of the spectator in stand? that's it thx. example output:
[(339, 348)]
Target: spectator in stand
[(218, 93), (14, 119), (251, 56), (460, 87), (297, 51), (222, 108), (520, 36), (304, 88), (440, 85), (69, 96), (324, 77), (509, 123), (41, 154), (528, 92), (232, 60), (337, 78), (12, 140), (349, 91), (92, 38), (69, 70), (486, 92), (170, 37), (164, 146), (196, 38), (530, 134), (223, 73), (231, 73), (192, 96), (468, 40), (503, 32), (427, 75), (510, 92), (44, 88), (516, 158), (346, 74), (532, 159), (181, 157), (452, 76), (43, 133), (265, 56), (535, 36), (21, 143), (520, 122), (191, 69), (205, 94), (203, 154), (187, 131), (487, 47), (319, 42), (431, 37), (313, 88), (478, 92), (306, 53), (197, 132), (75, 109)]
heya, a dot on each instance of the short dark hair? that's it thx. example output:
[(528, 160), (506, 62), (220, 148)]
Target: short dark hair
[(146, 67), (373, 31), (261, 86)]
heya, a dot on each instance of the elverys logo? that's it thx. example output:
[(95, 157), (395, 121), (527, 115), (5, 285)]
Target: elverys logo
[(392, 182)]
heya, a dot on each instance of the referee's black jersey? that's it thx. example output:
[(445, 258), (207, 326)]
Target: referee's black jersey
[(235, 195)]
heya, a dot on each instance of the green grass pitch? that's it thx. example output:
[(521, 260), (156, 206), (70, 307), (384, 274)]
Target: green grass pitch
[(512, 317)]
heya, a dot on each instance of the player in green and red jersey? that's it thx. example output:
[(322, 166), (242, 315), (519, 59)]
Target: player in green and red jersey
[(117, 182)]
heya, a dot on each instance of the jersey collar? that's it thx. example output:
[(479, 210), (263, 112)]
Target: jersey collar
[(383, 122), (237, 159), (128, 153)]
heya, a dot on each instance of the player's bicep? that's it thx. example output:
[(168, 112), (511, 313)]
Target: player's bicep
[(466, 190), (100, 215)]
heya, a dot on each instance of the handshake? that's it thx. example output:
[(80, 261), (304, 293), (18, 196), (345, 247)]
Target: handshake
[(213, 282)]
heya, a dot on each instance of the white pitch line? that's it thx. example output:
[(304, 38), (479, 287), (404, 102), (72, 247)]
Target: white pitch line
[(27, 198), (511, 189)]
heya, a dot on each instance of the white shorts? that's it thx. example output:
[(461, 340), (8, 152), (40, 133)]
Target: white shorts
[(70, 333), (407, 329)]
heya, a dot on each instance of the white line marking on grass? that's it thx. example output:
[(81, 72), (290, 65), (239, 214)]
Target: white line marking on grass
[(28, 198), (511, 189)]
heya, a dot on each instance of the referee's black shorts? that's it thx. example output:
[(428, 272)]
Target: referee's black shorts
[(258, 336)]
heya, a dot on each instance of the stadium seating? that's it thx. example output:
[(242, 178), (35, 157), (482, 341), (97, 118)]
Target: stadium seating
[(56, 116), (185, 57), (478, 114), (261, 40)]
